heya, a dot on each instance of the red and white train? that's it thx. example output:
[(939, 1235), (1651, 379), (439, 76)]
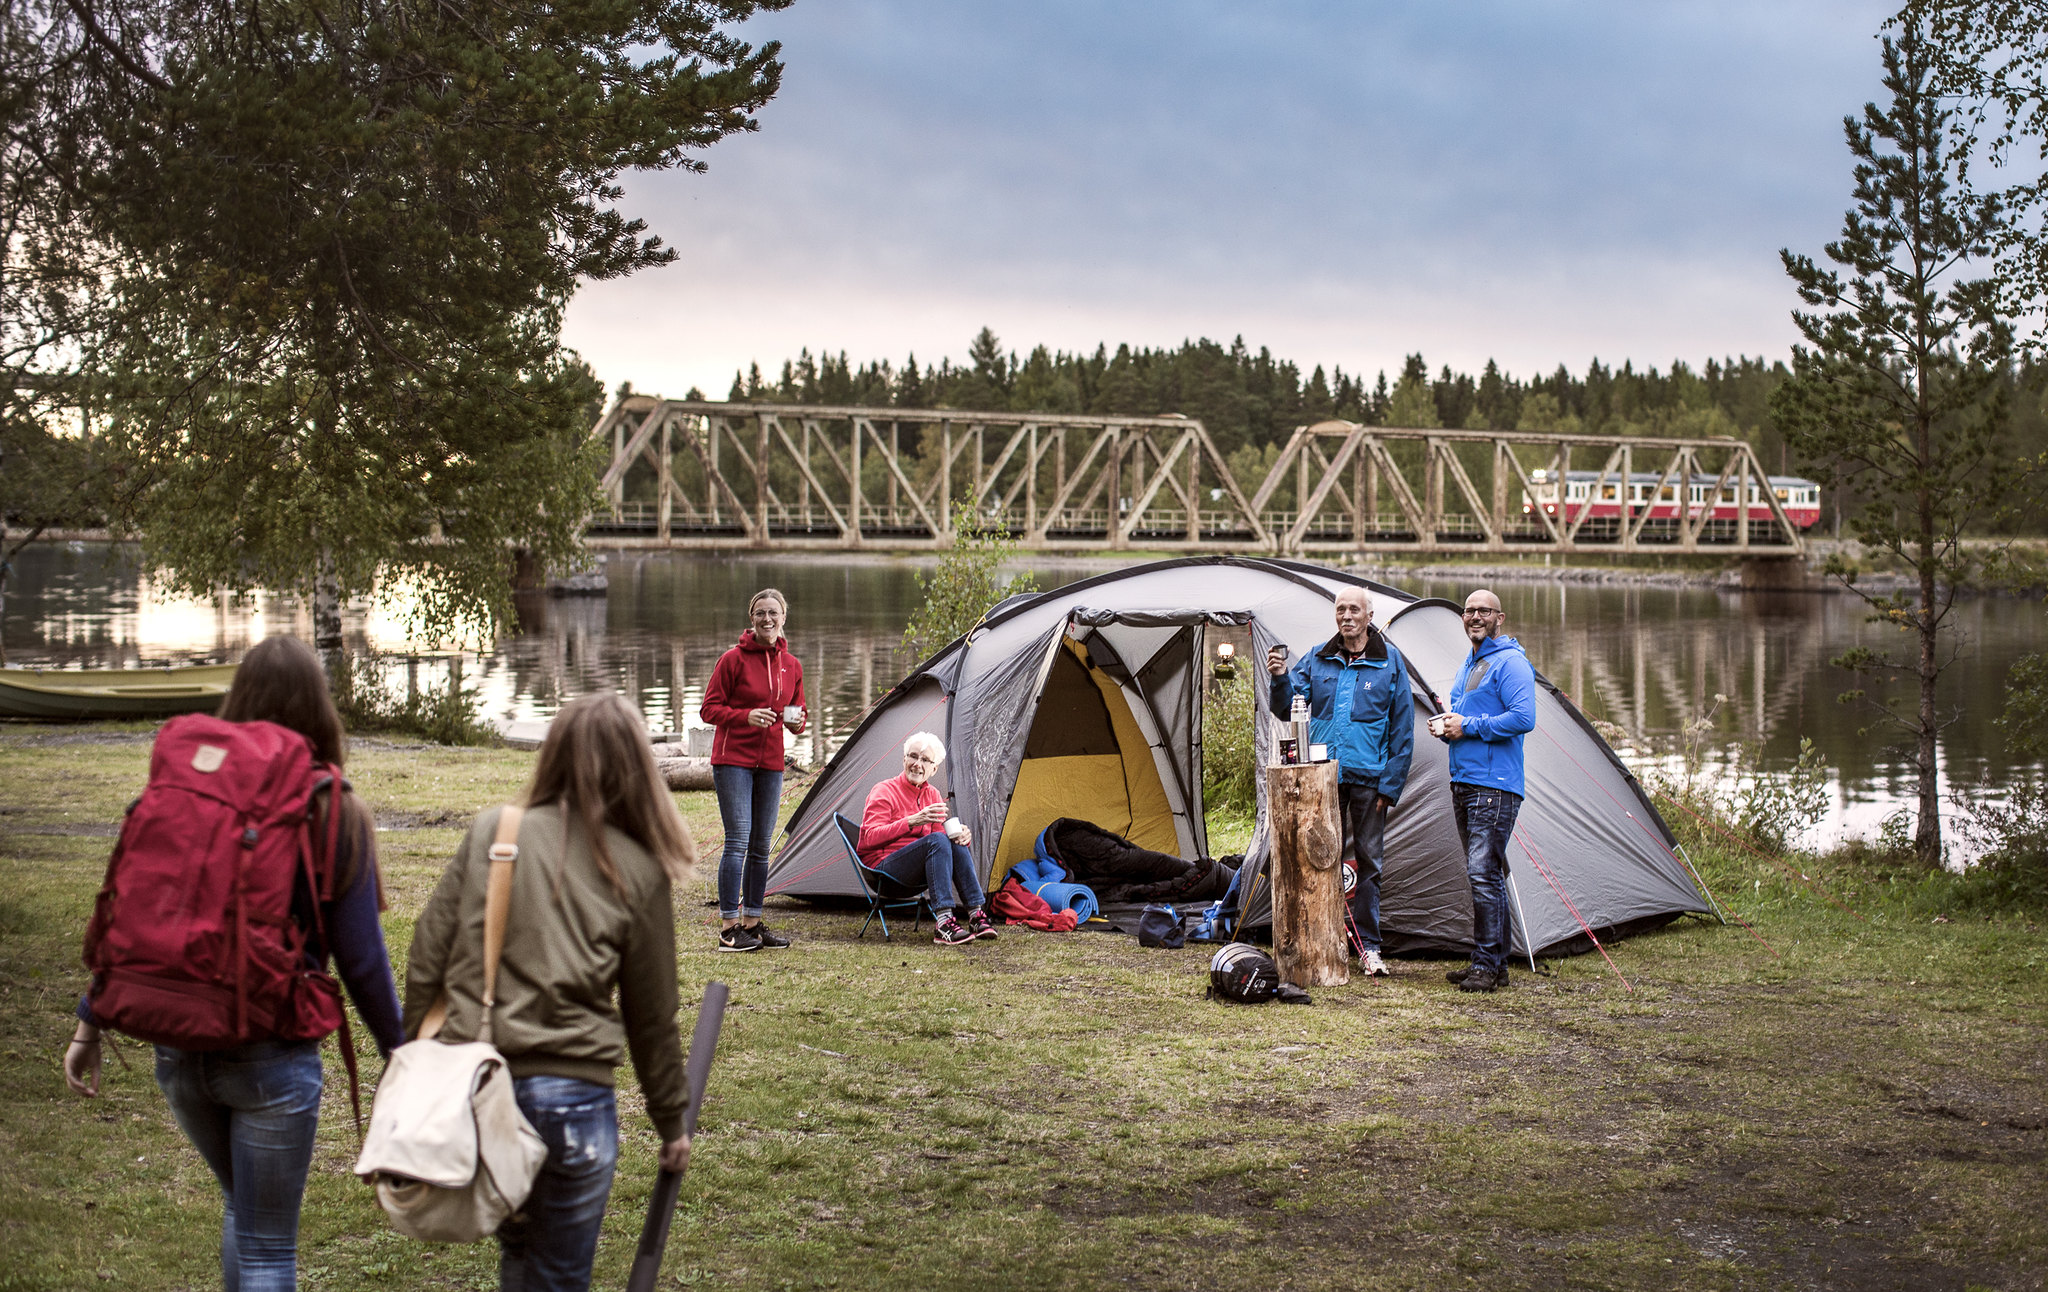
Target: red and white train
[(1643, 492)]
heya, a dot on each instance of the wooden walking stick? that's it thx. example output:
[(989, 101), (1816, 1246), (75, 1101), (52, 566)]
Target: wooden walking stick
[(661, 1204)]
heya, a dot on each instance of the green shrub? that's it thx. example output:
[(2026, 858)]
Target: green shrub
[(968, 581), (446, 714), (1230, 766), (2025, 720), (1775, 811), (2012, 872), (2011, 828), (1771, 811)]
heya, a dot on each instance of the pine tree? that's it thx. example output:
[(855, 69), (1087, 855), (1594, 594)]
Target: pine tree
[(1413, 405), (1900, 392), (1316, 403), (910, 387)]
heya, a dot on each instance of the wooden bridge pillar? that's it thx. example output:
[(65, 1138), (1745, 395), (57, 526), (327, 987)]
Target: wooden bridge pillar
[(1115, 497), (1777, 574)]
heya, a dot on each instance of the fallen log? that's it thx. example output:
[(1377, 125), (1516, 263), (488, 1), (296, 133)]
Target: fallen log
[(685, 773)]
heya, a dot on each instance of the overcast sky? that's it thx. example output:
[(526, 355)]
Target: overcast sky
[(1343, 181)]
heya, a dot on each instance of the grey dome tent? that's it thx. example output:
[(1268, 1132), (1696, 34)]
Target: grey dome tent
[(1086, 701)]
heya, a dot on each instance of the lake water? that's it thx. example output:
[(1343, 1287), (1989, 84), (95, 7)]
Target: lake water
[(1649, 660)]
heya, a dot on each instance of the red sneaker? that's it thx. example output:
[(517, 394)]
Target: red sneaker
[(979, 925), (950, 932)]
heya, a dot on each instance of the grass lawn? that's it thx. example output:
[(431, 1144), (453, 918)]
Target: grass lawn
[(1863, 1103)]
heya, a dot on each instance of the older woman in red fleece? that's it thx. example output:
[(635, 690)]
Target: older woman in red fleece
[(756, 689), (902, 834)]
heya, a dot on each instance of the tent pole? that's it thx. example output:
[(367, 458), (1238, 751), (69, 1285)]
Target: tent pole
[(1694, 871), (1528, 943)]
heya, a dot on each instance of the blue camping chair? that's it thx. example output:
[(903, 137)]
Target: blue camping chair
[(883, 893)]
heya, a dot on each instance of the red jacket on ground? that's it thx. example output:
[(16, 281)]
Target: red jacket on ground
[(751, 676), (885, 821), (1017, 904)]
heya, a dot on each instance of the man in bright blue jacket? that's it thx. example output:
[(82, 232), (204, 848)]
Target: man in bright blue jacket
[(1493, 705), (1360, 706)]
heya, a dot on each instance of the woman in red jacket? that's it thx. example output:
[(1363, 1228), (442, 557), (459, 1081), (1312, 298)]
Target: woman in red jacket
[(756, 690), (901, 835)]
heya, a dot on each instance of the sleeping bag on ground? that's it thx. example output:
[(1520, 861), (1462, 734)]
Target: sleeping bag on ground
[(1121, 871), (1046, 881), (1206, 880)]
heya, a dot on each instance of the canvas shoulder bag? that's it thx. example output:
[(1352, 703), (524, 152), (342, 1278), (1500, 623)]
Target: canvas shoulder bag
[(449, 1152)]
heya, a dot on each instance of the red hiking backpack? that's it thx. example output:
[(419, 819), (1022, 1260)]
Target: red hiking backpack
[(192, 942)]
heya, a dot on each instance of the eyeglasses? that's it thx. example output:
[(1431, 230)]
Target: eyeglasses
[(1480, 612), (925, 759)]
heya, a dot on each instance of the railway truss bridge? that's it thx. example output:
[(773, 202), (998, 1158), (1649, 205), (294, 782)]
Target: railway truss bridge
[(704, 475)]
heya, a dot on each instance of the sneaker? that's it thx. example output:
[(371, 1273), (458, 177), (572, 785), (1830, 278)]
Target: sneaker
[(769, 939), (950, 932), (980, 926), (1483, 980), (1374, 967), (1459, 975), (738, 938)]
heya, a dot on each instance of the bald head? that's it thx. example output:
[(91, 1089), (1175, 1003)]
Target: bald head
[(1483, 616)]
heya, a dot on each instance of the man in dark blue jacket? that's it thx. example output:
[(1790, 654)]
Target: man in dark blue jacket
[(1493, 705), (1360, 706)]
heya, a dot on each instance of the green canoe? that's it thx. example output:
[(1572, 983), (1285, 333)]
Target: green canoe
[(79, 694)]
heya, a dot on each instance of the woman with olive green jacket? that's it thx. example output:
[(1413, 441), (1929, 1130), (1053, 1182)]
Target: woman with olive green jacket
[(592, 911)]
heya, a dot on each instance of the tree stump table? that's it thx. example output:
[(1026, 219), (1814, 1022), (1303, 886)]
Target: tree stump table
[(1308, 884)]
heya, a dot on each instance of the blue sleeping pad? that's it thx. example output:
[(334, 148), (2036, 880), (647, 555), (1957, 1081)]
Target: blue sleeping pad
[(1046, 879)]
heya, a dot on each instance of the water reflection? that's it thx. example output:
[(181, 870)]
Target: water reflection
[(1753, 671), (1650, 661)]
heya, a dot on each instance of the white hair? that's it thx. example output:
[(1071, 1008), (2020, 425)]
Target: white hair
[(926, 741)]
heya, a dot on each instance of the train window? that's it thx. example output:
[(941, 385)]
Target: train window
[(1670, 493), (1728, 494), (1784, 495), (1610, 493)]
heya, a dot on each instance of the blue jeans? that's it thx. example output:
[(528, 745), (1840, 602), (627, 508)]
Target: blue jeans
[(251, 1112), (1486, 821), (748, 799), (1365, 822), (946, 867), (548, 1245)]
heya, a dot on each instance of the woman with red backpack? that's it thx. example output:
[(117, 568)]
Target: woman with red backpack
[(756, 690), (244, 1084)]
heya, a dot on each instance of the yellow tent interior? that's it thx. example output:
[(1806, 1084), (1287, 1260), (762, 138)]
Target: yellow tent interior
[(1085, 757)]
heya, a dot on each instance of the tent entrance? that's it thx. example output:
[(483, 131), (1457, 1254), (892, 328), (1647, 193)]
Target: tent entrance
[(1089, 754)]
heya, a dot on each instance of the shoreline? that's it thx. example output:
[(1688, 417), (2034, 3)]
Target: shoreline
[(1728, 578), (1725, 575)]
